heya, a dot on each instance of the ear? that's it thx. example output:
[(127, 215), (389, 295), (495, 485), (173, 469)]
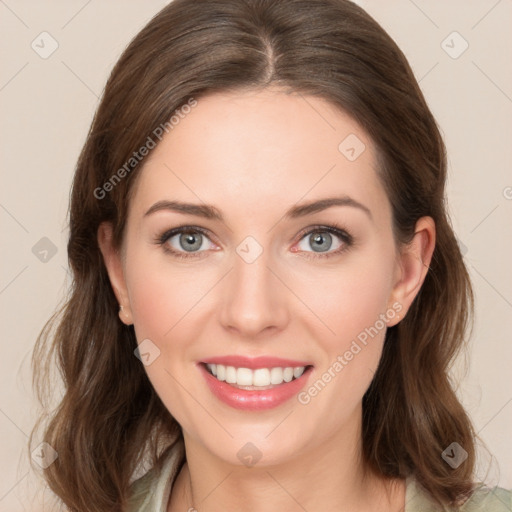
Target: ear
[(113, 262), (413, 265)]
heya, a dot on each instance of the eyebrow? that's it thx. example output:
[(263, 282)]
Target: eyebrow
[(211, 212)]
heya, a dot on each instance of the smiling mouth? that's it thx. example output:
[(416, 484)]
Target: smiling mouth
[(255, 379)]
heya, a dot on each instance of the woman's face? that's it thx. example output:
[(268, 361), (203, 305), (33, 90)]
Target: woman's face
[(273, 279)]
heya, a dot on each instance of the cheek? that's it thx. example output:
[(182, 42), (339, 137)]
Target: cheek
[(162, 301), (361, 301), (352, 303), (348, 299), (161, 295), (153, 304)]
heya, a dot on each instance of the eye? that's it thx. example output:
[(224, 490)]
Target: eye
[(192, 241), (185, 241), (321, 240)]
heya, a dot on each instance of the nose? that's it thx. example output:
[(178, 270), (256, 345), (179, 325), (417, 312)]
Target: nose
[(254, 298)]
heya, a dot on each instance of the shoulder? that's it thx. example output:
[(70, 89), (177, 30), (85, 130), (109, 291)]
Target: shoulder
[(151, 492), (141, 491), (495, 499), (483, 499)]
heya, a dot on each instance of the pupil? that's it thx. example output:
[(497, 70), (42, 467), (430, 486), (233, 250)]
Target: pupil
[(319, 238), (187, 242)]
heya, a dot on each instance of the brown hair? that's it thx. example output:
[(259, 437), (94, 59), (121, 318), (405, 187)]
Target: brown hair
[(109, 417)]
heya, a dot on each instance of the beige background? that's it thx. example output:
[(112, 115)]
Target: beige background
[(47, 106)]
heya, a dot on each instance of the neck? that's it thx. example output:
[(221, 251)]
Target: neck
[(326, 476)]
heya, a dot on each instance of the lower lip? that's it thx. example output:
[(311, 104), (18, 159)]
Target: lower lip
[(254, 400)]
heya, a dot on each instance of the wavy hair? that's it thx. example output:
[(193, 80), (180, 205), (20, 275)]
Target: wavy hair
[(109, 421)]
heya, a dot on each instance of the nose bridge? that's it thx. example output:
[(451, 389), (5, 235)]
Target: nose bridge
[(255, 299)]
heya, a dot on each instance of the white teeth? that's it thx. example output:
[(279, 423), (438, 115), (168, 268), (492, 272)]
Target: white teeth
[(244, 377), (219, 371), (230, 374), (260, 377), (276, 376), (288, 374), (298, 371)]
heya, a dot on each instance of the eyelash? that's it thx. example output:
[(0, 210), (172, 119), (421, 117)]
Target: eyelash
[(334, 229)]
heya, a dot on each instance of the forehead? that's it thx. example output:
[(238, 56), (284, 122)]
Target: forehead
[(248, 151)]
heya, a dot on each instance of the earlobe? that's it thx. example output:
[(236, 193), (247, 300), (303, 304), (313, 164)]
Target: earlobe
[(414, 262), (113, 264)]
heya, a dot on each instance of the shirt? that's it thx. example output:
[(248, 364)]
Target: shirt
[(151, 492)]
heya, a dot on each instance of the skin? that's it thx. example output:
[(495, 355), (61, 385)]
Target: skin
[(254, 155)]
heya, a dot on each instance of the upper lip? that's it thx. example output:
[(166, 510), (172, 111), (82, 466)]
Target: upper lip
[(254, 362)]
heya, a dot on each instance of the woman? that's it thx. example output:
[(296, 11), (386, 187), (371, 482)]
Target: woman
[(267, 290)]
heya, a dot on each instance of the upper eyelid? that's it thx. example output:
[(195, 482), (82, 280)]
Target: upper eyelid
[(169, 233), (320, 227)]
